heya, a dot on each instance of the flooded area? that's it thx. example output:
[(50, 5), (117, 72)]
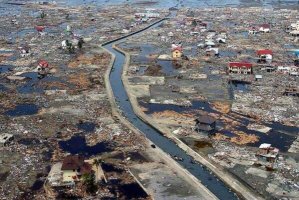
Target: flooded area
[(192, 72), (77, 145), (196, 105), (86, 126), (22, 109)]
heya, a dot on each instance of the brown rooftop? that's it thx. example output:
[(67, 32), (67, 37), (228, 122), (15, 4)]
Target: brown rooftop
[(72, 162), (76, 162), (205, 119)]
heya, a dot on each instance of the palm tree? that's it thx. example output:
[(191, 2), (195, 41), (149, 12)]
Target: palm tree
[(96, 163)]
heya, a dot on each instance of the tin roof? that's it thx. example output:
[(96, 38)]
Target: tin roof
[(206, 119), (240, 64), (264, 52)]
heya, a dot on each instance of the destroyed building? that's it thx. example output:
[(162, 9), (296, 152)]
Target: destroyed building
[(267, 155), (205, 123), (5, 139), (73, 167)]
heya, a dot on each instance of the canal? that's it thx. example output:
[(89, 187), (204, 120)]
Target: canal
[(207, 178)]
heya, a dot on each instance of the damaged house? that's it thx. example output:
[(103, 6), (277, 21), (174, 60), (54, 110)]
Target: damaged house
[(205, 123), (5, 139), (267, 155), (73, 167), (265, 55), (240, 68)]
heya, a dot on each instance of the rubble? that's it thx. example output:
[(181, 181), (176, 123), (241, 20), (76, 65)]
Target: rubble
[(239, 70)]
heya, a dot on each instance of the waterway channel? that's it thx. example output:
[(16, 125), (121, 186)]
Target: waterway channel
[(207, 178)]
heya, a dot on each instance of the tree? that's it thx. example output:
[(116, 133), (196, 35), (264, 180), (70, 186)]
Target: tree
[(42, 15), (88, 181), (194, 23), (70, 47), (80, 43), (96, 162)]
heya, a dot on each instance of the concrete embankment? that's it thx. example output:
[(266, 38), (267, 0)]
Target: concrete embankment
[(162, 155)]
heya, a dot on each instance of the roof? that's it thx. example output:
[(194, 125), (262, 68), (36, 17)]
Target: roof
[(240, 64), (43, 63), (265, 146), (204, 127), (72, 162), (205, 119), (253, 28), (39, 28), (264, 52), (264, 26), (177, 49), (258, 76)]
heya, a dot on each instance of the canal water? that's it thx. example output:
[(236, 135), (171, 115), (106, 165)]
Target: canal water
[(207, 178)]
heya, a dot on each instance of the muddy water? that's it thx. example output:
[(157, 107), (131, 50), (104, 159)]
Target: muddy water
[(204, 175), (22, 109), (86, 126), (77, 145)]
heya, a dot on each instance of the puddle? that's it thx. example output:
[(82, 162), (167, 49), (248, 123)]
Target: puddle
[(228, 53), (3, 176), (136, 156), (192, 51), (29, 141), (22, 109), (196, 105), (229, 23), (239, 85), (2, 88), (167, 67), (132, 191), (143, 50), (20, 34), (5, 68), (87, 126), (202, 144), (283, 128), (47, 155), (274, 137), (141, 70), (85, 31), (77, 145), (107, 167), (37, 185), (35, 84), (129, 191), (280, 136)]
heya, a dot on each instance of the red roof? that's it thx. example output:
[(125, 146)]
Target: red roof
[(177, 48), (43, 63), (253, 28), (240, 64), (264, 52), (39, 28), (265, 26)]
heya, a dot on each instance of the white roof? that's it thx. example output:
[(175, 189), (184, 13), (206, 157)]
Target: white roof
[(258, 76), (265, 146)]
